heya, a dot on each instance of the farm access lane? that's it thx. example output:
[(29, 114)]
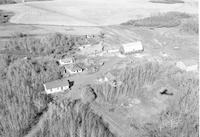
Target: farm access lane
[(83, 79)]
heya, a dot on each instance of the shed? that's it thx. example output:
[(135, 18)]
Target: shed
[(109, 77), (56, 86), (133, 47), (74, 69), (66, 61)]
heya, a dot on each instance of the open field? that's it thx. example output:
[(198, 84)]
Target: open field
[(88, 12)]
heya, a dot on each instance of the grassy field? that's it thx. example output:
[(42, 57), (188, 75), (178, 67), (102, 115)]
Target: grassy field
[(88, 12)]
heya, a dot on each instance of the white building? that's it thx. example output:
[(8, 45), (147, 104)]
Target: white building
[(56, 86), (133, 47), (66, 61)]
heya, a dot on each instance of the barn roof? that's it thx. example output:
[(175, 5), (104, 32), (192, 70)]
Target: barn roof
[(57, 83), (133, 46)]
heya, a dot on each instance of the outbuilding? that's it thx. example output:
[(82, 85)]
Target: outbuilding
[(56, 86), (66, 61), (73, 69), (133, 47)]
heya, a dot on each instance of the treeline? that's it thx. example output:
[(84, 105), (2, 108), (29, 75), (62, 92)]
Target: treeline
[(73, 119), (167, 1), (190, 26), (181, 116), (55, 45), (7, 1), (132, 78), (169, 19)]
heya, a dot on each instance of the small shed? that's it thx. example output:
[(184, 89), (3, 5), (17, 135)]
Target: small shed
[(133, 47), (74, 69), (56, 86), (109, 77)]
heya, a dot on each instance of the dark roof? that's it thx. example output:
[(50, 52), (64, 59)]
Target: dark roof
[(57, 83)]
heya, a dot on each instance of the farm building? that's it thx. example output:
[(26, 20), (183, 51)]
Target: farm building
[(73, 69), (66, 61), (133, 47), (56, 86)]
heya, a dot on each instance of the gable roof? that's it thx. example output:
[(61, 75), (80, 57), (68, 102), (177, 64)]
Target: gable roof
[(133, 46), (110, 76), (57, 83)]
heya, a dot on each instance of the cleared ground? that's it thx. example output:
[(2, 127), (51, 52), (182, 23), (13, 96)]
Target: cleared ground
[(89, 12)]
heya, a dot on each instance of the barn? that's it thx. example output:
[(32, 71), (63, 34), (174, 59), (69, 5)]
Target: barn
[(56, 86), (133, 47)]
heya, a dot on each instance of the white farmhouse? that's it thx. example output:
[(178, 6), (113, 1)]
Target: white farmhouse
[(133, 47), (56, 86)]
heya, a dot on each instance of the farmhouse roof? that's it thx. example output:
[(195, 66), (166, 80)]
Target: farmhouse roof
[(57, 83), (66, 59)]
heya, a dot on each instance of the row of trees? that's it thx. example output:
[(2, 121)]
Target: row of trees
[(169, 19)]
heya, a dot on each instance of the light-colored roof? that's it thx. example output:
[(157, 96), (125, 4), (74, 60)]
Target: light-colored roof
[(133, 46), (57, 83), (110, 76)]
